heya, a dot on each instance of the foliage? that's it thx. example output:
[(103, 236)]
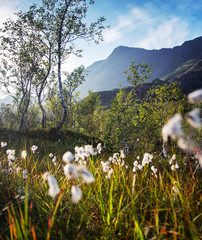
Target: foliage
[(138, 74), (19, 60), (37, 41), (127, 204), (63, 22), (159, 105), (88, 114), (8, 117), (125, 105)]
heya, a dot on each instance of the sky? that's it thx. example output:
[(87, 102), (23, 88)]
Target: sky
[(149, 24)]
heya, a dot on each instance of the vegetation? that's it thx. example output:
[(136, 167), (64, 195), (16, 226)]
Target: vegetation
[(73, 169), (38, 41), (124, 201)]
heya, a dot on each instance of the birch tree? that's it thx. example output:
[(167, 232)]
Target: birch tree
[(19, 61), (64, 22)]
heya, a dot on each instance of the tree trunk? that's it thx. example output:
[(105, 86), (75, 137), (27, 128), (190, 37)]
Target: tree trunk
[(25, 107), (43, 123), (21, 122), (22, 116), (64, 105), (60, 124)]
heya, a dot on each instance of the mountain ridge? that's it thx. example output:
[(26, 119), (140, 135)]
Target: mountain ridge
[(189, 80), (107, 74)]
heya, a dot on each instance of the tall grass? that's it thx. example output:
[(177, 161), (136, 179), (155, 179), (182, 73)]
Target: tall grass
[(127, 205)]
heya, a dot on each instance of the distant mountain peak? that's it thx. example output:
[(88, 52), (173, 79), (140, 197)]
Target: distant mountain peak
[(108, 74)]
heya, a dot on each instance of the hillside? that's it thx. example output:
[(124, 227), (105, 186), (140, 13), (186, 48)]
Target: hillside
[(109, 73), (188, 75)]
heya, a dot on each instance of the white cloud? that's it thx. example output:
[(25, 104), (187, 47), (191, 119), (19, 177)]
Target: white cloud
[(7, 10), (166, 34), (156, 29), (112, 35), (134, 20), (9, 7)]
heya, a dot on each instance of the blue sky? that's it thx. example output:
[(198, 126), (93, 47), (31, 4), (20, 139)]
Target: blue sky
[(149, 24)]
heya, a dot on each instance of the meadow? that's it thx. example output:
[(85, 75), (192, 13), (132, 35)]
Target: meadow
[(46, 194), (64, 182)]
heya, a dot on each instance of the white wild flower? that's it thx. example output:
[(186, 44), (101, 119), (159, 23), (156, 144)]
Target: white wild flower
[(105, 166), (193, 118), (89, 150), (183, 144), (54, 160), (115, 156), (11, 157), (79, 153), (68, 157), (195, 96), (10, 152), (99, 148), (34, 148), (78, 171), (70, 171), (18, 169), (175, 189), (140, 167), (52, 182), (85, 175), (76, 194), (53, 190), (176, 165), (3, 144), (50, 155), (135, 168), (24, 174), (10, 163), (109, 173), (135, 163), (172, 159), (173, 167), (123, 163), (154, 169), (24, 154), (122, 155), (164, 151), (147, 158), (172, 128)]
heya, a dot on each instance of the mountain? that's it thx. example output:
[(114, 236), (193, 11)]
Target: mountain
[(188, 75), (109, 73)]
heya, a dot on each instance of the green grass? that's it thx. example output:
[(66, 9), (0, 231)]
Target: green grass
[(114, 208)]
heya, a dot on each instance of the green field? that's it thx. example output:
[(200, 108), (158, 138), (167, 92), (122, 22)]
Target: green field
[(120, 203)]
